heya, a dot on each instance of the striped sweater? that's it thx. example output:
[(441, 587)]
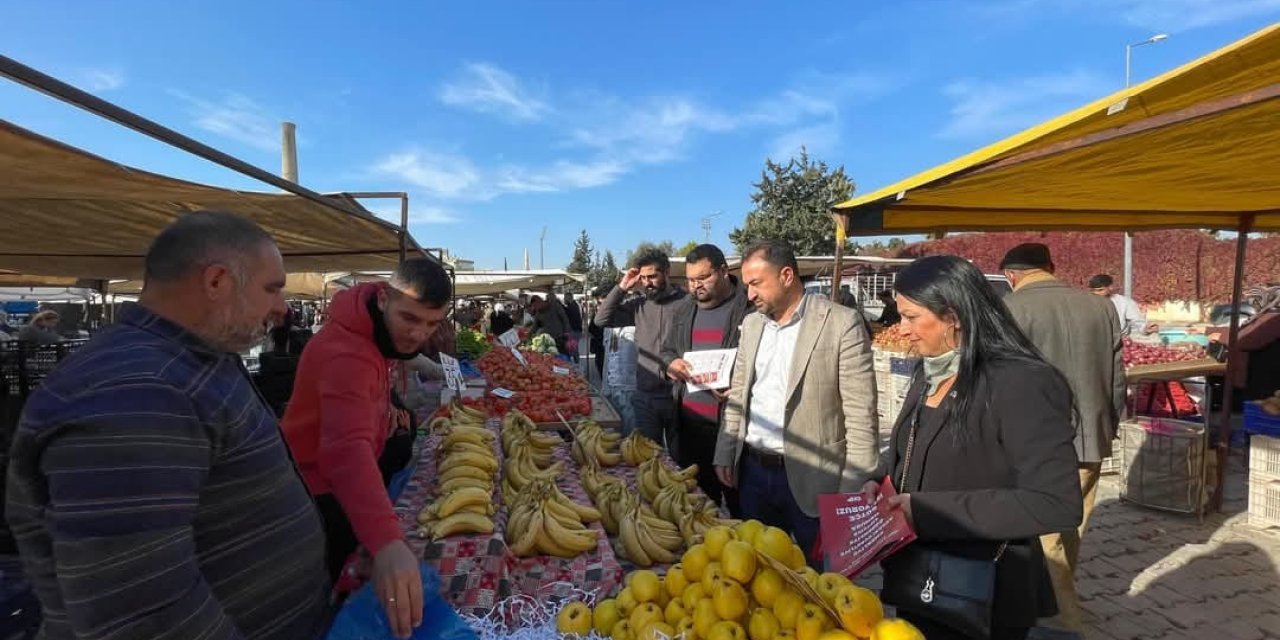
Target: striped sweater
[(152, 496)]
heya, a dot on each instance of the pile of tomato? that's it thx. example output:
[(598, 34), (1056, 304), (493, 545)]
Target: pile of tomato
[(539, 407), (501, 369)]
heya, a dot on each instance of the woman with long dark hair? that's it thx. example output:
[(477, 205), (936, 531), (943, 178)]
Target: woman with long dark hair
[(981, 459)]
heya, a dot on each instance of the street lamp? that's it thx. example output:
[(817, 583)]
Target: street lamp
[(1128, 235)]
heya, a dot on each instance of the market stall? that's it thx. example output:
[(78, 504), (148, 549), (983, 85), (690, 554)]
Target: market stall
[(1191, 148)]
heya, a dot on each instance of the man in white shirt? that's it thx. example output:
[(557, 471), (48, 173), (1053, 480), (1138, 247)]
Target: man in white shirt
[(1133, 322), (801, 416)]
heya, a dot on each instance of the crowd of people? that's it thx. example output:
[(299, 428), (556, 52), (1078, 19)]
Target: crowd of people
[(151, 453)]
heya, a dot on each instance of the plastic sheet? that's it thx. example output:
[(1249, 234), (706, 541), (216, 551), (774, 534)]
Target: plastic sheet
[(363, 617)]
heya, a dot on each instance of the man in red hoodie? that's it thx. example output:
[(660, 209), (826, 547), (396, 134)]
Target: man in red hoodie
[(340, 417)]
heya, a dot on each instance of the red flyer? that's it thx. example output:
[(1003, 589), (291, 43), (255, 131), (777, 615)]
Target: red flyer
[(857, 533)]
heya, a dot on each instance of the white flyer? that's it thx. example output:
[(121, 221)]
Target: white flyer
[(452, 373), (711, 369), (509, 338)]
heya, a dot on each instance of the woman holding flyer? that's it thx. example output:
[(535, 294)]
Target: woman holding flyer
[(982, 460)]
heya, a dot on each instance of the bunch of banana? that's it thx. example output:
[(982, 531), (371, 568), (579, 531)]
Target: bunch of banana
[(544, 521), (674, 501), (466, 469), (694, 524), (592, 442), (594, 479), (637, 448), (521, 470), (645, 539), (614, 501), (652, 476), (519, 432), (459, 414)]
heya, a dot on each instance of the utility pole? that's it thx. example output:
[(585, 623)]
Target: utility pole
[(1128, 235), (706, 226), (289, 151), (542, 249)]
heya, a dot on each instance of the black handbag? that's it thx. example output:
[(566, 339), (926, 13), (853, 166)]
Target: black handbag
[(951, 590)]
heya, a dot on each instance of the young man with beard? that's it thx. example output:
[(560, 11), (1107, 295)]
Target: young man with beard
[(801, 416), (150, 492), (340, 418), (651, 315), (709, 318)]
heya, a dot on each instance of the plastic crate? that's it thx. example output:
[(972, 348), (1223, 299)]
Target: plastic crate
[(1264, 500), (1264, 455), (1257, 421)]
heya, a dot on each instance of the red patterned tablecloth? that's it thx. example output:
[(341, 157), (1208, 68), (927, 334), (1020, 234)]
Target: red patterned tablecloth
[(478, 571)]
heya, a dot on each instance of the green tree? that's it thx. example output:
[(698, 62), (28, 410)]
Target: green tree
[(603, 272), (582, 253), (665, 247), (879, 248), (793, 204), (686, 248)]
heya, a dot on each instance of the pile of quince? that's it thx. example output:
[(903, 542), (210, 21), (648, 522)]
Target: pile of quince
[(722, 590)]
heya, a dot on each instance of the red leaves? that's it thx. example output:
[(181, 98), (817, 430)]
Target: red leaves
[(1183, 265)]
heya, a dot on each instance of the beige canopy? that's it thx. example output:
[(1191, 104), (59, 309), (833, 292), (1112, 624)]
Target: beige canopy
[(298, 286), (66, 212)]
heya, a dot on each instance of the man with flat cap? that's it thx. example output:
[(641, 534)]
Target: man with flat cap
[(1079, 333)]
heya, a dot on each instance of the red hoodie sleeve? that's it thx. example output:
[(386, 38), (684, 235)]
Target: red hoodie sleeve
[(351, 430)]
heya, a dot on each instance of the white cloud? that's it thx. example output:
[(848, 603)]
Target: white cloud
[(1170, 16), (986, 108), (236, 117), (489, 89), (103, 80), (560, 176), (1185, 15), (817, 139), (418, 214), (440, 175)]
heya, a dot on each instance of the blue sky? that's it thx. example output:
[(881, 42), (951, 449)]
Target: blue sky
[(633, 120)]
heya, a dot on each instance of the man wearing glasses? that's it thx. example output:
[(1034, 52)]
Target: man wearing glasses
[(709, 319)]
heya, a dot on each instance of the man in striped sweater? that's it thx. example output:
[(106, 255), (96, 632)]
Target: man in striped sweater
[(150, 492)]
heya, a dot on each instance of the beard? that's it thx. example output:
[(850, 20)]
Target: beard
[(231, 331)]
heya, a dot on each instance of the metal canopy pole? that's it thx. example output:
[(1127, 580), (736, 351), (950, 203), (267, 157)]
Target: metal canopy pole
[(404, 214), (1233, 361), (24, 75), (837, 278)]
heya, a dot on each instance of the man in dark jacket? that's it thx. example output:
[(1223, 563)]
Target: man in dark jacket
[(574, 311), (710, 318), (651, 315), (1079, 334)]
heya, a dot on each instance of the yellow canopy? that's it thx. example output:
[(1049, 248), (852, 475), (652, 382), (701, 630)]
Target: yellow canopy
[(1197, 147), (297, 286), (65, 212)]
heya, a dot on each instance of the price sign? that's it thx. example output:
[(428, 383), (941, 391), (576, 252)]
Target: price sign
[(519, 356), (509, 338), (503, 393), (452, 372), (560, 371)]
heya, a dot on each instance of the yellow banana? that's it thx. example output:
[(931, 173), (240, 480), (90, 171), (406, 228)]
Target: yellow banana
[(568, 542), (452, 502), (463, 471), (465, 483), (631, 548), (441, 423), (655, 551), (561, 513), (461, 523), (470, 459), (526, 544)]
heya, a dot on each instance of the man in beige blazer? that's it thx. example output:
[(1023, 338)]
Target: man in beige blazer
[(800, 419)]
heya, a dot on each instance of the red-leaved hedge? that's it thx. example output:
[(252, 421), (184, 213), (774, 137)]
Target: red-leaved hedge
[(1167, 265)]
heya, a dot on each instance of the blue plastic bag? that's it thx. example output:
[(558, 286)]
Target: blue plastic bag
[(363, 618)]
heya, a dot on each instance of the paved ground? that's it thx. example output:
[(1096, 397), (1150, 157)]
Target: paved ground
[(1152, 574), (1149, 574)]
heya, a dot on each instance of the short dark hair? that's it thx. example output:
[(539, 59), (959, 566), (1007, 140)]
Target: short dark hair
[(1101, 280), (707, 252), (424, 280), (201, 238), (653, 257), (775, 252)]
